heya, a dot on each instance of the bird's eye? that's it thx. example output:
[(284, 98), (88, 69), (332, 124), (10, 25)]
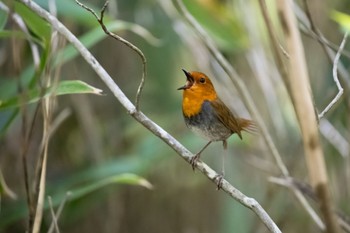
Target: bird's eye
[(202, 80)]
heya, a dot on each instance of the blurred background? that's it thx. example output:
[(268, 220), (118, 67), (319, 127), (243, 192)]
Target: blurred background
[(97, 139)]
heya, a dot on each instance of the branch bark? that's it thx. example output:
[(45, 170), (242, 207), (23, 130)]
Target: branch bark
[(146, 122)]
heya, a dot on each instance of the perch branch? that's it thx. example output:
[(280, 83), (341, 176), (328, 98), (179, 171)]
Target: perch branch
[(127, 43), (146, 122)]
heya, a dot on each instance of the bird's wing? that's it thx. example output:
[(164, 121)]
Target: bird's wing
[(226, 117)]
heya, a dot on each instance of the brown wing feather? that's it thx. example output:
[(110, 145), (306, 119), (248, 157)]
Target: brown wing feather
[(248, 126), (235, 124), (226, 117)]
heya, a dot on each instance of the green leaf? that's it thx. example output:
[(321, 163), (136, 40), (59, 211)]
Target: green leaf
[(36, 24), (63, 88), (126, 178), (14, 33), (220, 23), (342, 19)]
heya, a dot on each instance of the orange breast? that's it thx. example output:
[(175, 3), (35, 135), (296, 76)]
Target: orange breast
[(193, 99)]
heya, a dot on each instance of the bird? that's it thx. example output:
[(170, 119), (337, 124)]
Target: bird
[(207, 115)]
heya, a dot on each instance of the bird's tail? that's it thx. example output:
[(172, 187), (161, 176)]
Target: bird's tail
[(248, 126)]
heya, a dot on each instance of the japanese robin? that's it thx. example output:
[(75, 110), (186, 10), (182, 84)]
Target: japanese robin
[(206, 115)]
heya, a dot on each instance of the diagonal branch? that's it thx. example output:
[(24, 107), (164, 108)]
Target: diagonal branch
[(146, 122), (127, 43)]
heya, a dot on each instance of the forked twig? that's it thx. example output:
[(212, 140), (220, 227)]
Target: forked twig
[(335, 77), (54, 217), (127, 43), (59, 211)]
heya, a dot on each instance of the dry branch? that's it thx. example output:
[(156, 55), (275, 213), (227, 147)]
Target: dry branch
[(146, 122), (303, 104)]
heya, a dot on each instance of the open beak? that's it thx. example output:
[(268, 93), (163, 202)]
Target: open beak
[(189, 82)]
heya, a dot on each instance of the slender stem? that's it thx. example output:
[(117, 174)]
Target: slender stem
[(335, 77)]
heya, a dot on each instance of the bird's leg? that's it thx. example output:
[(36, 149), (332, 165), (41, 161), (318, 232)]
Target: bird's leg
[(220, 177), (195, 158)]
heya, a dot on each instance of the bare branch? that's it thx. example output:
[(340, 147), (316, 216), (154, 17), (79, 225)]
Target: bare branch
[(149, 124), (288, 182), (304, 108), (307, 190), (335, 77), (127, 43)]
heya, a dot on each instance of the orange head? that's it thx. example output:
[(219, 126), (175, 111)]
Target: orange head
[(197, 89)]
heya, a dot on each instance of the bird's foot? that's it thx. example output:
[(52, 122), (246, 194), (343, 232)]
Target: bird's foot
[(194, 161), (219, 179)]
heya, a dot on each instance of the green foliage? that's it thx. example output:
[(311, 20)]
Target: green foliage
[(220, 22), (62, 88), (3, 19), (341, 18), (36, 24)]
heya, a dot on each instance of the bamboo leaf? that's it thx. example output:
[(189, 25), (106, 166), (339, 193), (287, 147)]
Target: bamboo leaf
[(126, 178), (63, 88), (36, 24)]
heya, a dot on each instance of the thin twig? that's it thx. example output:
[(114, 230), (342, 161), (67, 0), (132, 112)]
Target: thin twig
[(42, 183), (335, 78), (307, 190), (59, 211), (288, 182), (54, 218), (149, 124), (127, 43), (5, 189), (329, 48)]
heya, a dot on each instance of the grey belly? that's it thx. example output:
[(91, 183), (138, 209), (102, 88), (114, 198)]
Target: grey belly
[(207, 125)]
